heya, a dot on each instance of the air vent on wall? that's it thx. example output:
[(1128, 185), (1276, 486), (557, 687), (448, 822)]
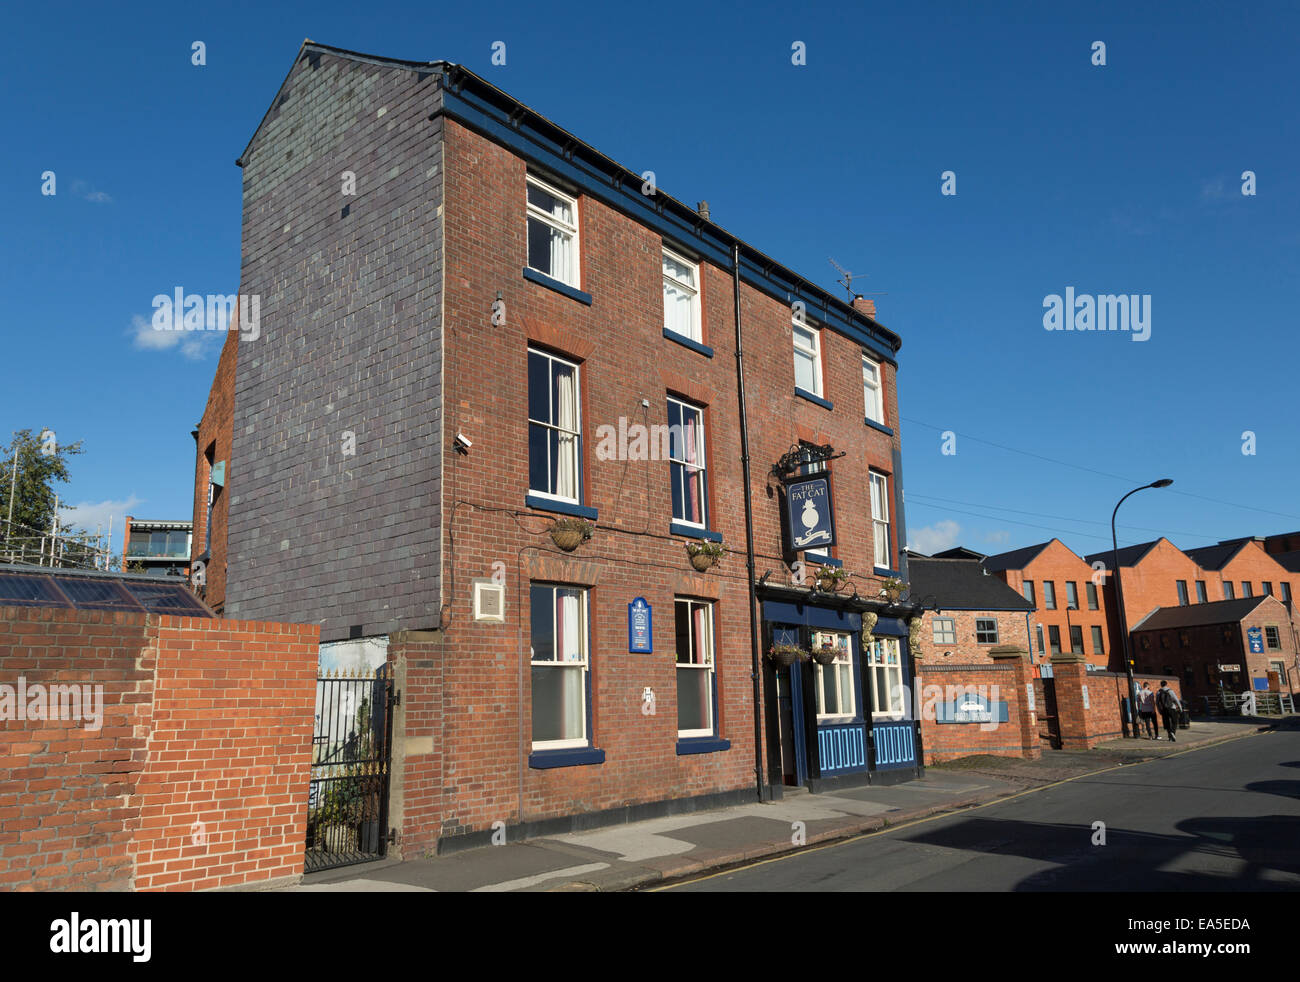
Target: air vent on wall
[(489, 601)]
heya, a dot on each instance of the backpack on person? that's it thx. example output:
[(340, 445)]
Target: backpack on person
[(1166, 701)]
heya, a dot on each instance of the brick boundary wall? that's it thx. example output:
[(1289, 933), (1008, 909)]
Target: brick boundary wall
[(1017, 737), (204, 721), (1083, 729)]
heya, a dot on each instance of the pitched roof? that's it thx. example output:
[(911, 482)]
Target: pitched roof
[(1016, 558), (960, 552), (960, 584), (1198, 615), (1216, 557), (1288, 560), (1128, 556)]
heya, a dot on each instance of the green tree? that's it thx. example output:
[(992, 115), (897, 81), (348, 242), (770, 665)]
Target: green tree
[(33, 464)]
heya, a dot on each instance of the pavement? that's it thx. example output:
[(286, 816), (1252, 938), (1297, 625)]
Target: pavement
[(657, 851)]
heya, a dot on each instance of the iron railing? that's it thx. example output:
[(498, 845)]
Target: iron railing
[(347, 806)]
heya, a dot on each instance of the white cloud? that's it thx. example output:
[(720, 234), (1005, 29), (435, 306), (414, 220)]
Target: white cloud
[(1215, 190), (83, 190), (88, 514), (934, 538), (998, 537), (194, 345)]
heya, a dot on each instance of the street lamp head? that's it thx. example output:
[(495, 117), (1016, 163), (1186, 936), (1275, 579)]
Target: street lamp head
[(1164, 482)]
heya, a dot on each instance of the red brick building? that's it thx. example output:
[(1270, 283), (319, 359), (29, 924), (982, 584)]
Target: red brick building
[(1154, 574), (1242, 568), (969, 612), (1069, 613), (212, 438), (503, 332), (1233, 645)]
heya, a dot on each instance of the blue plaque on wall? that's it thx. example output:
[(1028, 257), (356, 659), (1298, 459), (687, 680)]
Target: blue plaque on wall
[(809, 513), (640, 633), (1256, 638)]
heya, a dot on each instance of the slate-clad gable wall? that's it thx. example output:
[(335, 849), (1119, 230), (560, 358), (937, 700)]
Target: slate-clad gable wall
[(350, 341)]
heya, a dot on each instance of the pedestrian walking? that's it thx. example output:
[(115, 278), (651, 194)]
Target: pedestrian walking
[(1169, 708), (1147, 711)]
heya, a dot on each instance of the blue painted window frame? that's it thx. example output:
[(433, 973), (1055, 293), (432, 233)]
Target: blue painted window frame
[(816, 400), (878, 426), (551, 283), (686, 342)]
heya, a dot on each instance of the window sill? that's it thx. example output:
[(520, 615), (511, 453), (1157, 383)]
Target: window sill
[(817, 400), (551, 283), (884, 571), (573, 757), (878, 426), (561, 507), (686, 342), (813, 557), (701, 745), (690, 531)]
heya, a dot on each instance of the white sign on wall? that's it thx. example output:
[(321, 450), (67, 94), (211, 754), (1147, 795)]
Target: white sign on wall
[(1029, 692), (1085, 696)]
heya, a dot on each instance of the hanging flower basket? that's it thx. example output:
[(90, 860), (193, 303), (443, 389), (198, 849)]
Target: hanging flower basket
[(785, 655), (831, 578), (824, 656), (705, 555), (569, 533), (893, 588)]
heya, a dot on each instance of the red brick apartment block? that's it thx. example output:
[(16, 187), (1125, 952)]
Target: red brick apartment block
[(1070, 614), (197, 777), (1242, 568)]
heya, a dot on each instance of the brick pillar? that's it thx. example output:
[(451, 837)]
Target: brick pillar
[(415, 785), (1070, 671), (1025, 720)]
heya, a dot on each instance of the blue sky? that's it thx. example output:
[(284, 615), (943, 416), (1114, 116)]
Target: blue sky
[(1122, 178)]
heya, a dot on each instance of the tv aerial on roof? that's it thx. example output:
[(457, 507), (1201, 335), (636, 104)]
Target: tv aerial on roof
[(847, 282)]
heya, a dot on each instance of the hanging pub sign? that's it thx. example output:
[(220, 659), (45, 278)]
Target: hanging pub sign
[(639, 631), (1256, 638), (809, 513)]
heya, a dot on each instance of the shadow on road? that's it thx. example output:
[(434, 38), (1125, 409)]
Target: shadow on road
[(1259, 853)]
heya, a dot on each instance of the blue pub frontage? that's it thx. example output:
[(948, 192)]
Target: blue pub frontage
[(849, 721)]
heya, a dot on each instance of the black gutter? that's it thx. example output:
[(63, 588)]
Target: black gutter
[(749, 529)]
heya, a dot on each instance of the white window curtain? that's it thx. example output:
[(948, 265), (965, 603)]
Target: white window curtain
[(569, 648), (561, 253), (694, 512), (566, 421), (679, 297)]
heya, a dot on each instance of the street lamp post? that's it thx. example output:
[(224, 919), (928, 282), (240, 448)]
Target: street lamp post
[(1164, 482)]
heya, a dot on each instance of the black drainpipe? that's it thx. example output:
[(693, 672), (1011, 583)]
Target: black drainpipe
[(749, 529)]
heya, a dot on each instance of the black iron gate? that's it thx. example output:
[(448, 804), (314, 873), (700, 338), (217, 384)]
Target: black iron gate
[(1051, 719), (347, 806)]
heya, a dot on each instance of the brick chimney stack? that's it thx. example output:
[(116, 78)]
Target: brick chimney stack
[(866, 306)]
